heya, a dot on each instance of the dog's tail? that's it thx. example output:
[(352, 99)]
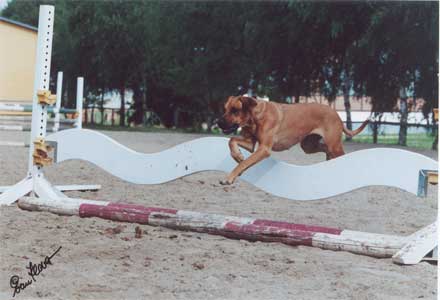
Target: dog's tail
[(352, 133)]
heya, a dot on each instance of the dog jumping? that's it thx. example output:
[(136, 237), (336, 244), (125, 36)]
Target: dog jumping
[(278, 127)]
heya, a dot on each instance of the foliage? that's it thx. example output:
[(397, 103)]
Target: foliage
[(181, 59)]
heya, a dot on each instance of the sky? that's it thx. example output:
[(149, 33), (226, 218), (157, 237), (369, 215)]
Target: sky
[(3, 4)]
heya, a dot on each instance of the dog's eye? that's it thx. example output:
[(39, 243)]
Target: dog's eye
[(234, 111)]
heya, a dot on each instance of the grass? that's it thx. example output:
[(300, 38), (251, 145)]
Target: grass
[(421, 140)]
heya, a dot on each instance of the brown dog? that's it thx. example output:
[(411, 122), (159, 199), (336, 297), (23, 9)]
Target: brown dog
[(278, 127)]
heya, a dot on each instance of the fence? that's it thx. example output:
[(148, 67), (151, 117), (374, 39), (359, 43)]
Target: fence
[(420, 135), (417, 135)]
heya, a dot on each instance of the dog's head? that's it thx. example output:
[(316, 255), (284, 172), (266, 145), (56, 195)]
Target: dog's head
[(237, 113)]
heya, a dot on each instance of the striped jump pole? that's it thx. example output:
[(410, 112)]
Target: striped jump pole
[(15, 127), (18, 117), (27, 119), (370, 244), (13, 144), (27, 108), (21, 128)]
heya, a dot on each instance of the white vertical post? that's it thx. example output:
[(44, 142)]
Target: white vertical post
[(79, 101), (41, 78), (58, 103)]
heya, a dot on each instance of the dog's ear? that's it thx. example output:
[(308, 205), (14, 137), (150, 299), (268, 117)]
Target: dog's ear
[(248, 102)]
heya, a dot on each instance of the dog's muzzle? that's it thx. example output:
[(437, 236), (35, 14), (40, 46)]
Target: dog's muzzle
[(231, 129), (226, 129)]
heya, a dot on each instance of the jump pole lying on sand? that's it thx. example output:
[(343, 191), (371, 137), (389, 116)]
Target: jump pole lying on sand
[(370, 244)]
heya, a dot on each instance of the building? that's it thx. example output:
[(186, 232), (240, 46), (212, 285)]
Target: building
[(17, 61), (362, 104)]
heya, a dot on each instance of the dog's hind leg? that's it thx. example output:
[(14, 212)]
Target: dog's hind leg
[(335, 152), (333, 142), (335, 149)]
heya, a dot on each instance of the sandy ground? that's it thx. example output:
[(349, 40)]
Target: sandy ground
[(165, 264)]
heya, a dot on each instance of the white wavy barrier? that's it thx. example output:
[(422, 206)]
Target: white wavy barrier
[(372, 167)]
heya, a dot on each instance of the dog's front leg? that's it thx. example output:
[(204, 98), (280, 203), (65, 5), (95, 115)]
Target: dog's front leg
[(246, 143), (262, 152)]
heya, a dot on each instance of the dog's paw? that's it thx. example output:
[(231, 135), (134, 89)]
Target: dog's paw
[(225, 182)]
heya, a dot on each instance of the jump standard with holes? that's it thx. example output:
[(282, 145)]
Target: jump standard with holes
[(352, 171)]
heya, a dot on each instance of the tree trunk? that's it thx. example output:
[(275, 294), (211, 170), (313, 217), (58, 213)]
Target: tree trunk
[(250, 91), (70, 90), (347, 106), (435, 132), (86, 112), (210, 113), (297, 96), (144, 98), (375, 128), (376, 124), (176, 117), (435, 143), (92, 117), (209, 121), (138, 115), (122, 109), (403, 117), (102, 107)]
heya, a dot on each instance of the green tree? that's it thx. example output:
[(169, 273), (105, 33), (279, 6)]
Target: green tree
[(399, 51)]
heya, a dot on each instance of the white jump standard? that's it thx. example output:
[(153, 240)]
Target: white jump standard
[(34, 181), (351, 171)]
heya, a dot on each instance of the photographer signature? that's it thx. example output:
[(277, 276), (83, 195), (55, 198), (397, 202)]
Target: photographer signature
[(34, 270)]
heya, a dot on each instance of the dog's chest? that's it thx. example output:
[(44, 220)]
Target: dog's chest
[(282, 143), (249, 131)]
